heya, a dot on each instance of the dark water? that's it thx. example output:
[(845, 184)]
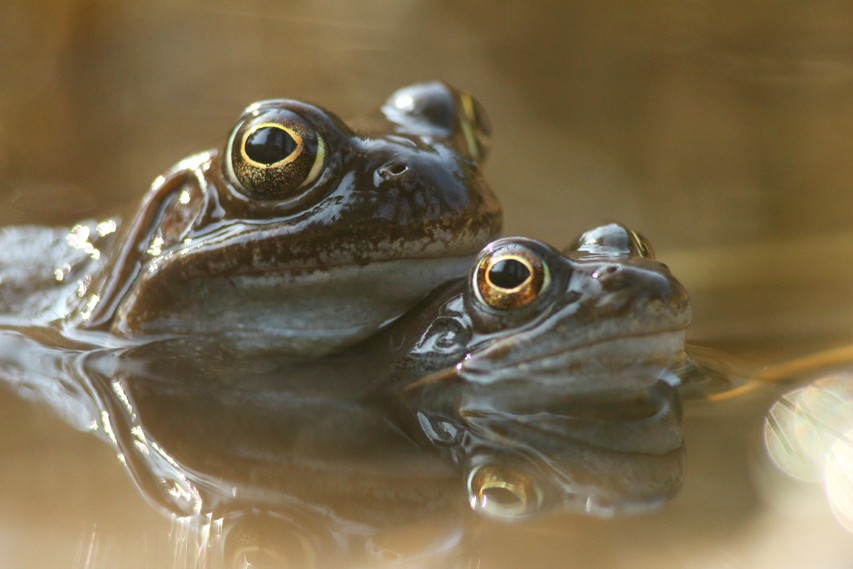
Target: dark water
[(722, 131)]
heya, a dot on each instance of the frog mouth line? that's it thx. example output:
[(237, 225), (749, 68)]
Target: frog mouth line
[(609, 340), (508, 371), (611, 353)]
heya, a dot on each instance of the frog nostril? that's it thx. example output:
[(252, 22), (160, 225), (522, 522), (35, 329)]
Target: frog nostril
[(389, 170), (605, 271)]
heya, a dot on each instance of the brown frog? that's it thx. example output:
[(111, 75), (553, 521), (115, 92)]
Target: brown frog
[(300, 233), (541, 382)]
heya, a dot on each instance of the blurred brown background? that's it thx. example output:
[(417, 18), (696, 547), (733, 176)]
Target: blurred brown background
[(721, 130)]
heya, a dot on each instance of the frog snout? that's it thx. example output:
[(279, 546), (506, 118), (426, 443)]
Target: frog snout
[(645, 289), (651, 280)]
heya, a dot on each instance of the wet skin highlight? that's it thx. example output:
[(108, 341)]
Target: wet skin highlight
[(302, 235)]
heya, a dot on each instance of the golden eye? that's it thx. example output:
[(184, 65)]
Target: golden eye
[(501, 492), (641, 246), (612, 240), (510, 279), (275, 153), (268, 145), (476, 127)]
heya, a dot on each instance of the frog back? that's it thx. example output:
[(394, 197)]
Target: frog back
[(43, 269)]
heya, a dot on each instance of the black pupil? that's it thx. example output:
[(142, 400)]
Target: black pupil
[(508, 273), (269, 145), (502, 496)]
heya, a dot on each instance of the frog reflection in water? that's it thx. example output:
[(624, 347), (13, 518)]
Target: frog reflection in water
[(541, 381), (301, 234), (546, 377)]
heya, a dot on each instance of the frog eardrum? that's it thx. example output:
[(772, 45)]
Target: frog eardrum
[(273, 152), (510, 276)]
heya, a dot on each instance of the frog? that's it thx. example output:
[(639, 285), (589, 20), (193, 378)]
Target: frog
[(301, 234), (549, 378), (541, 381), (527, 310), (538, 367)]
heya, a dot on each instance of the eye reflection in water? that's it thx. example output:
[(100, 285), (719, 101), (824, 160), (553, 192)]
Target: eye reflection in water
[(808, 434), (502, 493)]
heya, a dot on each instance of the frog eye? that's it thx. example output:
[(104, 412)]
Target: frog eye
[(612, 240), (476, 127), (439, 109), (641, 246), (270, 144), (274, 154), (510, 278)]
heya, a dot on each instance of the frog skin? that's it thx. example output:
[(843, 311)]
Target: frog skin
[(556, 393), (300, 234), (604, 302), (548, 376)]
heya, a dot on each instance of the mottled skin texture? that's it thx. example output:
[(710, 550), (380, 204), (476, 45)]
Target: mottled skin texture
[(570, 396), (596, 298), (565, 403), (576, 379), (304, 257)]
